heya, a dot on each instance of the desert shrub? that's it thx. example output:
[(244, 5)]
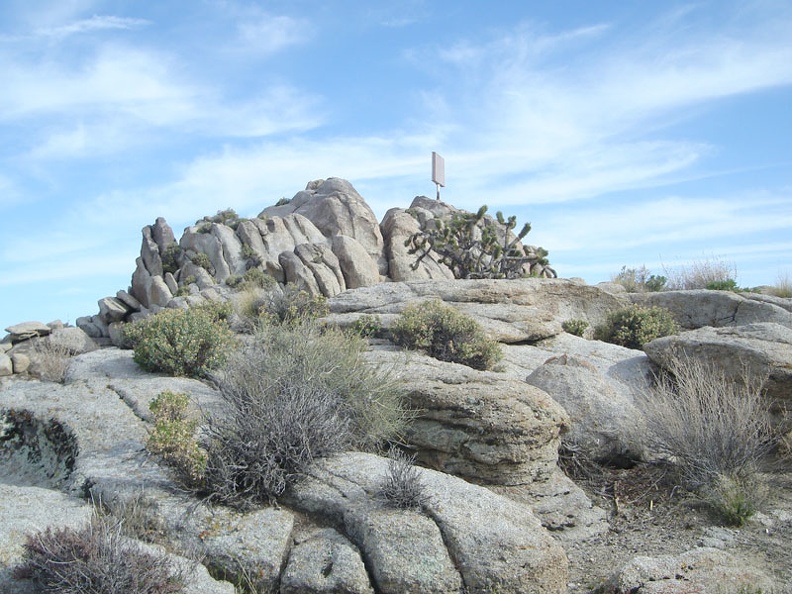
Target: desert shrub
[(97, 558), (292, 305), (635, 325), (293, 394), (445, 334), (576, 327), (701, 273), (367, 326), (639, 280), (252, 258), (283, 201), (257, 278), (714, 429), (402, 487), (202, 260), (173, 437), (185, 342), (475, 246), (171, 258)]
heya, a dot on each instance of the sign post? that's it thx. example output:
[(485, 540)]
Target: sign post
[(438, 172)]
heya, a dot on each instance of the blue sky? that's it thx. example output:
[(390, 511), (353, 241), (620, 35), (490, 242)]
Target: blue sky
[(627, 132)]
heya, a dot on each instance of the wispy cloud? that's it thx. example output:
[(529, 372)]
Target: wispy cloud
[(93, 24), (267, 34)]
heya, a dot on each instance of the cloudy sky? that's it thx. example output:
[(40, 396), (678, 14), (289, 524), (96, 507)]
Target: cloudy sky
[(627, 132)]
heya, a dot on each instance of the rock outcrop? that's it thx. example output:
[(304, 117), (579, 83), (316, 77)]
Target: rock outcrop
[(325, 240), (87, 435)]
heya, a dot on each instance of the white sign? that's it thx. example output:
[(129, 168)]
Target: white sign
[(438, 169)]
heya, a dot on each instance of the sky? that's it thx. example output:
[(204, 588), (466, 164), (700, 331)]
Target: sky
[(627, 132)]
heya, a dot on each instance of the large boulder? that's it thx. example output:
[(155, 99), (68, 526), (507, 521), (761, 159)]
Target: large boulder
[(469, 535), (482, 426), (358, 268), (605, 424), (760, 349), (703, 570)]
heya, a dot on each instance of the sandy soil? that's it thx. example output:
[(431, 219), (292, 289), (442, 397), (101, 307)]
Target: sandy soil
[(647, 516)]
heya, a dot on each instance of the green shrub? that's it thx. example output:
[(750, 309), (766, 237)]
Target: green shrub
[(97, 558), (173, 437), (728, 284), (283, 201), (171, 259), (252, 258), (291, 305), (367, 326), (445, 334), (576, 327), (293, 394), (636, 325), (184, 342), (256, 278), (202, 260)]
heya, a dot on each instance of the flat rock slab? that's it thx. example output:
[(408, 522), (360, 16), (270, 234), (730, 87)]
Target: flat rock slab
[(495, 543), (699, 308), (511, 311)]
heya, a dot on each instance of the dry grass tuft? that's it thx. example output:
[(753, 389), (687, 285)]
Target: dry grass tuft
[(714, 430)]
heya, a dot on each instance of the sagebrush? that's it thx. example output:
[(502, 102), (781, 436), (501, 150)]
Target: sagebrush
[(182, 342), (446, 334), (635, 325), (293, 394), (713, 271)]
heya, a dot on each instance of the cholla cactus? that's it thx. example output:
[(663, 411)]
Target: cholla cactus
[(478, 246)]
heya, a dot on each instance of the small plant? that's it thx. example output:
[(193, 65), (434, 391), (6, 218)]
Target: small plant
[(635, 325), (283, 201), (97, 558), (446, 334), (403, 487), (783, 286), (367, 326), (714, 429), (576, 327), (291, 306), (638, 280), (294, 394), (173, 437), (187, 342), (473, 245)]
